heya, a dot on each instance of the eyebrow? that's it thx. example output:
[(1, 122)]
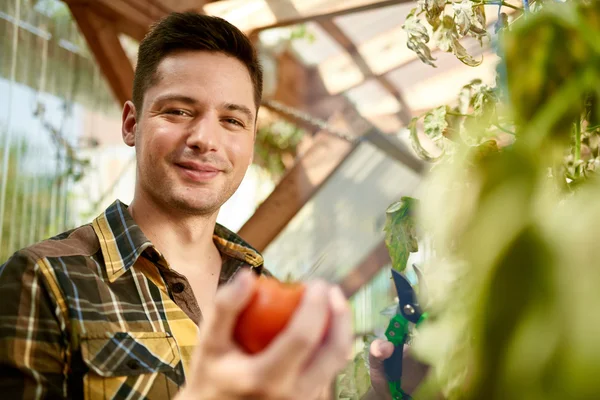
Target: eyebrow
[(240, 108), (175, 97)]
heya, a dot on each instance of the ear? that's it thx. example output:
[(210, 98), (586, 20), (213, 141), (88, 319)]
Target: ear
[(129, 124)]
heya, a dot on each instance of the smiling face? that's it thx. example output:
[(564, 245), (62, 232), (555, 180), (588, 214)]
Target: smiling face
[(194, 137)]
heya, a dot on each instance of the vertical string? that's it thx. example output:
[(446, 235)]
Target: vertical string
[(38, 150), (8, 133), (18, 206), (17, 183), (70, 97)]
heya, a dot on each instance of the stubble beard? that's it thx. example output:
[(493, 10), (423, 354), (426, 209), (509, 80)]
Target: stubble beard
[(174, 196)]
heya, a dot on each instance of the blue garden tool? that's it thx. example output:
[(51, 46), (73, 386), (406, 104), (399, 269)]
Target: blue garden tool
[(408, 315)]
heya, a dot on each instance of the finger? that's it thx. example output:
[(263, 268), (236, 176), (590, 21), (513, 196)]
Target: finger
[(230, 300), (380, 350), (336, 350), (298, 340)]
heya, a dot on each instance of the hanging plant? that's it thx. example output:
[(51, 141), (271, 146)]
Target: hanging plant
[(276, 146), (444, 24)]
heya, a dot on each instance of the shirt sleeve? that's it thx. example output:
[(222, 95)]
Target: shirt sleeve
[(32, 344)]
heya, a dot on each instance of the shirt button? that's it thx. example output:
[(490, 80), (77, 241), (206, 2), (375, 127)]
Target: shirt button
[(178, 287)]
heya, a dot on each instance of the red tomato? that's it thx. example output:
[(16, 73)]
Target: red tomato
[(267, 313)]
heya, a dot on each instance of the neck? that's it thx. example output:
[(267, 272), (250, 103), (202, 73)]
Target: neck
[(180, 237)]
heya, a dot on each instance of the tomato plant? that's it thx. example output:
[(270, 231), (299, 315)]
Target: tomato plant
[(511, 222)]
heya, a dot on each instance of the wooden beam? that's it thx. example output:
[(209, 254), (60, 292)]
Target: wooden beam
[(252, 16), (183, 5), (153, 8), (339, 36), (103, 40), (306, 177), (366, 270), (321, 160), (295, 189), (127, 18)]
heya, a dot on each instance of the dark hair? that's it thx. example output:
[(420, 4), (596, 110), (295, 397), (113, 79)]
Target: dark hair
[(192, 31)]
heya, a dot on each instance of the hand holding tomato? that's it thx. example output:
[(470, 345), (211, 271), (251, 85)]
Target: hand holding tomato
[(294, 355), (270, 308)]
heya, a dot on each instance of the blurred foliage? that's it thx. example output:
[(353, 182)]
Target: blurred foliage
[(49, 44), (513, 282), (301, 31), (28, 214), (354, 381), (36, 198), (276, 142)]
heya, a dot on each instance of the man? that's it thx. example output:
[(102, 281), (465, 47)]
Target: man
[(141, 303)]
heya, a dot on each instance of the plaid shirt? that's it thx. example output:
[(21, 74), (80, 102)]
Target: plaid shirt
[(97, 313)]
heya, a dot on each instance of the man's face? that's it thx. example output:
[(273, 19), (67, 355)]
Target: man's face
[(195, 138)]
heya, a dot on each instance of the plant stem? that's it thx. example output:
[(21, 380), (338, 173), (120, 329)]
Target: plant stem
[(577, 150), (592, 128), (455, 114), (503, 3), (504, 129), (491, 3)]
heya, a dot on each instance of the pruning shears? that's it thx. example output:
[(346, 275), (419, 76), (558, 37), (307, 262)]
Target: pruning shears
[(408, 315)]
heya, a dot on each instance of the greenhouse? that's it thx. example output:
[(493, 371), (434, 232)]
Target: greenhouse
[(433, 160)]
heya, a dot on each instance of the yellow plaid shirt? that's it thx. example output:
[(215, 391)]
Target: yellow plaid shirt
[(88, 314)]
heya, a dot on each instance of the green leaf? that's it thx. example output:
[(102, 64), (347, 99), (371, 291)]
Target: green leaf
[(362, 376), (416, 143), (435, 123), (447, 38), (433, 10), (470, 18), (445, 34), (485, 149), (418, 37), (355, 379), (461, 53), (479, 20), (400, 229), (463, 13)]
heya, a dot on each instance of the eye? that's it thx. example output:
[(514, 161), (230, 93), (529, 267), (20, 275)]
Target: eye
[(178, 112), (233, 121)]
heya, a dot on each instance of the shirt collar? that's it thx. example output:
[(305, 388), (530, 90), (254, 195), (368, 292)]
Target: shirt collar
[(122, 242)]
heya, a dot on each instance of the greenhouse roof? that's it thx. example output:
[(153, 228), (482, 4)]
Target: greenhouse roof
[(347, 64)]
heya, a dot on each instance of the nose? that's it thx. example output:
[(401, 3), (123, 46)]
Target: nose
[(203, 134)]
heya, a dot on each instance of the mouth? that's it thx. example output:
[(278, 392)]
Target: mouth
[(197, 172)]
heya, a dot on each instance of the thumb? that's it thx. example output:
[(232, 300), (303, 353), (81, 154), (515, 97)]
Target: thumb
[(230, 300), (379, 351), (413, 370)]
